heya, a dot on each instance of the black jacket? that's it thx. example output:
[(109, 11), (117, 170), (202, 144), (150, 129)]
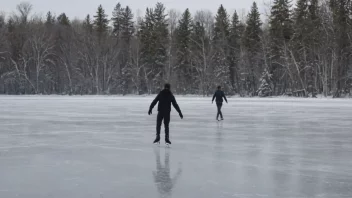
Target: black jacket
[(165, 99), (219, 95)]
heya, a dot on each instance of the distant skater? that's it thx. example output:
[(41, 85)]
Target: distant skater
[(165, 99), (219, 95)]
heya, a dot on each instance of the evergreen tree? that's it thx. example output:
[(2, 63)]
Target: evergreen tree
[(235, 31), (252, 45), (11, 25), (315, 28), (117, 19), (160, 36), (154, 38), (220, 41), (183, 45), (161, 32), (145, 37), (199, 36), (304, 23), (266, 85), (253, 30), (62, 19), (50, 19), (183, 33), (222, 26), (307, 28), (2, 21), (280, 21), (235, 47), (127, 25), (342, 24), (126, 31), (280, 32), (101, 22), (87, 24)]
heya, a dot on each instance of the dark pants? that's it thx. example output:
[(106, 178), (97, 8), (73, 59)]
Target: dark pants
[(219, 105), (166, 117)]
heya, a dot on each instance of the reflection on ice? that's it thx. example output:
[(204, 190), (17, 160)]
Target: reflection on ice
[(162, 178)]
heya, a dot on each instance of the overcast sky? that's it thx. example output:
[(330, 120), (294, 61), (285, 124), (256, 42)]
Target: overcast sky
[(80, 8)]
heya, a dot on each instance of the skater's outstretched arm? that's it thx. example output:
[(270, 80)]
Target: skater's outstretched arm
[(223, 95), (156, 100), (174, 103)]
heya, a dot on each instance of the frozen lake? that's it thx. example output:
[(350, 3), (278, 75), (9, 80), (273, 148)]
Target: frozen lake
[(101, 147)]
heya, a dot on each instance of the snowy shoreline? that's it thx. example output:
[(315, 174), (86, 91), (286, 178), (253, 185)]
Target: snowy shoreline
[(198, 97), (181, 96)]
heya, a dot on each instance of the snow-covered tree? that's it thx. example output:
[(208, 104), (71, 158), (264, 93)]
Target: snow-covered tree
[(266, 85)]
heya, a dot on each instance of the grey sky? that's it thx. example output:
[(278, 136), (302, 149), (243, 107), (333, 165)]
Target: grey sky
[(80, 8)]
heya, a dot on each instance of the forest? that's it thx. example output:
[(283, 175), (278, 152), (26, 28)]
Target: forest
[(301, 49)]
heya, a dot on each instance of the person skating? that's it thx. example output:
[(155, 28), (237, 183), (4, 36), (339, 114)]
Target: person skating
[(165, 99), (219, 95)]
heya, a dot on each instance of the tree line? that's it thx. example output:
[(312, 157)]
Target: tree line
[(303, 50)]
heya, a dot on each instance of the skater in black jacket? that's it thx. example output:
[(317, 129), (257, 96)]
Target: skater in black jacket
[(165, 99), (219, 95)]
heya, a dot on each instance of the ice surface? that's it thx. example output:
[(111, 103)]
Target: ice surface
[(101, 147)]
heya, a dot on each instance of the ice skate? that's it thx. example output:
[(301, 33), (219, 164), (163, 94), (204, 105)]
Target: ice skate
[(167, 142), (157, 140)]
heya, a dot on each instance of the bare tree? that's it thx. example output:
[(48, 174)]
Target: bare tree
[(24, 10), (206, 19)]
